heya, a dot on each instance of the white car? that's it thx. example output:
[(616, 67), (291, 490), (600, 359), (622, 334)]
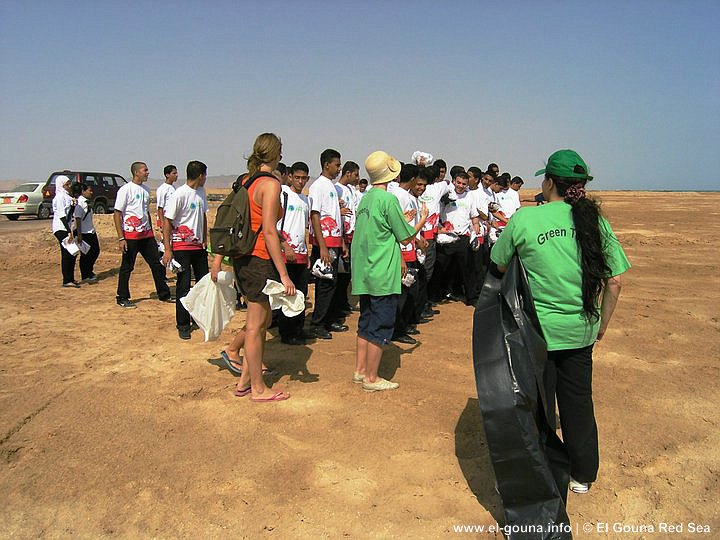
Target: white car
[(25, 200)]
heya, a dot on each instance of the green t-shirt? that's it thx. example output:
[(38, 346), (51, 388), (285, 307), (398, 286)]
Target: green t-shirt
[(544, 238), (375, 257)]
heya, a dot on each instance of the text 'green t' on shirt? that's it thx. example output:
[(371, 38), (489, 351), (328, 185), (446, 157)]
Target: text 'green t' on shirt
[(375, 259), (544, 239)]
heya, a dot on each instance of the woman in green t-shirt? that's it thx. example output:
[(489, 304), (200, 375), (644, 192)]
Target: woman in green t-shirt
[(572, 259)]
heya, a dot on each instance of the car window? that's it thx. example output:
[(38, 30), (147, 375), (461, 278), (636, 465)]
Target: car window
[(27, 188), (107, 181), (119, 181), (90, 180)]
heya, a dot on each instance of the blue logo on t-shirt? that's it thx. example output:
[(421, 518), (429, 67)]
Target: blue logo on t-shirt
[(332, 194), (291, 208), (193, 206)]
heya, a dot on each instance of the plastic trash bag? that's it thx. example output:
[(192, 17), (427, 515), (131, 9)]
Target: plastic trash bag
[(290, 305), (530, 461), (212, 305)]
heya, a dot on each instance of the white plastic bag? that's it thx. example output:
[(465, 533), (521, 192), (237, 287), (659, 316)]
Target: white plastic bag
[(212, 305)]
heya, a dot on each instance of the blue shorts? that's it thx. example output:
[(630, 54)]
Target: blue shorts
[(377, 318)]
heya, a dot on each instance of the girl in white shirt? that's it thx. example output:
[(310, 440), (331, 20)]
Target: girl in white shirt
[(63, 227)]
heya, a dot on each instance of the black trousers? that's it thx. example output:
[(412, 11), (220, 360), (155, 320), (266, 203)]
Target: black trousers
[(291, 327), (147, 247), (325, 311), (67, 261), (568, 377), (87, 260), (193, 261), (449, 258), (340, 298), (408, 302), (429, 264), (476, 270)]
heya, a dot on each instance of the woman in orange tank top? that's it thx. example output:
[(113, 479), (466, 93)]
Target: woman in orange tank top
[(251, 271)]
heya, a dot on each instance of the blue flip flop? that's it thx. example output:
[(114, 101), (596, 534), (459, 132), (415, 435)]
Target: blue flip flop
[(229, 363)]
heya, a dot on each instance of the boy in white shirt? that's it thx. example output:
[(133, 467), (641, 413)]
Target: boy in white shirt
[(458, 218), (86, 233), (293, 230), (164, 192), (348, 204), (185, 237), (328, 244), (135, 235)]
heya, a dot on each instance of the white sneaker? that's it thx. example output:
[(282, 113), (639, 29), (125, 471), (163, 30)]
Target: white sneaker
[(357, 378), (379, 385), (578, 487)]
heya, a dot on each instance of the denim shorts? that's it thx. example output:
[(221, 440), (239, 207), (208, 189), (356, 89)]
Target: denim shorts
[(377, 318)]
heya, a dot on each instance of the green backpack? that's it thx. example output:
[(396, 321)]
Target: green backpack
[(232, 234)]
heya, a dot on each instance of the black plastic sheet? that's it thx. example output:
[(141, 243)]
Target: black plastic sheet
[(509, 354)]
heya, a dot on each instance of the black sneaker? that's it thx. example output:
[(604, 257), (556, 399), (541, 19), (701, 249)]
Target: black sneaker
[(126, 303), (405, 339), (184, 333), (337, 327), (320, 333), (168, 300)]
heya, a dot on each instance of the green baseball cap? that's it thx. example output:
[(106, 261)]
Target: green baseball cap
[(567, 164)]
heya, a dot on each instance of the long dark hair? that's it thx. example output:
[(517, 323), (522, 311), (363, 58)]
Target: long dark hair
[(586, 218)]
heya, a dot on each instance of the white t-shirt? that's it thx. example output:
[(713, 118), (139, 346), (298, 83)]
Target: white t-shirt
[(163, 193), (186, 210), (84, 211), (407, 203), (324, 199), (458, 213), (297, 217), (508, 203), (431, 198), (132, 201), (345, 194)]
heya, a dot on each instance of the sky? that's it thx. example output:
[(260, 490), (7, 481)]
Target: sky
[(633, 86)]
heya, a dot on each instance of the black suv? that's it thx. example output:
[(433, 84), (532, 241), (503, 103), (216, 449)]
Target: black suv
[(104, 185)]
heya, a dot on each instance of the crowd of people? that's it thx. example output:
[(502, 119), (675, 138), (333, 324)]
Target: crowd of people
[(403, 240)]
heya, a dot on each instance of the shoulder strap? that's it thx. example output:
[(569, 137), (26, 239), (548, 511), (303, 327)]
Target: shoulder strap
[(284, 206)]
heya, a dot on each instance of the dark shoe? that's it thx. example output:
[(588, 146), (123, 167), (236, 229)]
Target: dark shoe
[(184, 332), (320, 333), (428, 313), (305, 336), (168, 300), (423, 321), (412, 331), (293, 341), (405, 339), (125, 303), (337, 327), (91, 280), (71, 285), (194, 326)]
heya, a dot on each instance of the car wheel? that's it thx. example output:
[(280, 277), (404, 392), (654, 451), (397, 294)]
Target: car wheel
[(13, 217), (44, 211), (100, 208)]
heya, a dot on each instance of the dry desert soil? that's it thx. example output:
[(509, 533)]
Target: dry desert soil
[(112, 426)]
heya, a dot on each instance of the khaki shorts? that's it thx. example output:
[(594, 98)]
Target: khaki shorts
[(251, 274)]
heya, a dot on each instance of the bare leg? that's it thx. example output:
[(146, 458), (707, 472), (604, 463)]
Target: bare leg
[(361, 356), (372, 360), (258, 315)]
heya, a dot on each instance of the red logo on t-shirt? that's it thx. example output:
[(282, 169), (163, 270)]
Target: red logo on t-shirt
[(133, 224)]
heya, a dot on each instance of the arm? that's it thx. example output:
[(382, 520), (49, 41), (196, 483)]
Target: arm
[(215, 268), (167, 241), (117, 219), (269, 195), (610, 295), (315, 220), (205, 232)]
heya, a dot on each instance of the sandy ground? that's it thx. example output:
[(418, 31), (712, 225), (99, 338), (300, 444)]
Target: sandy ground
[(112, 426)]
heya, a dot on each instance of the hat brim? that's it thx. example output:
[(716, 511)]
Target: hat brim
[(390, 175), (586, 178)]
